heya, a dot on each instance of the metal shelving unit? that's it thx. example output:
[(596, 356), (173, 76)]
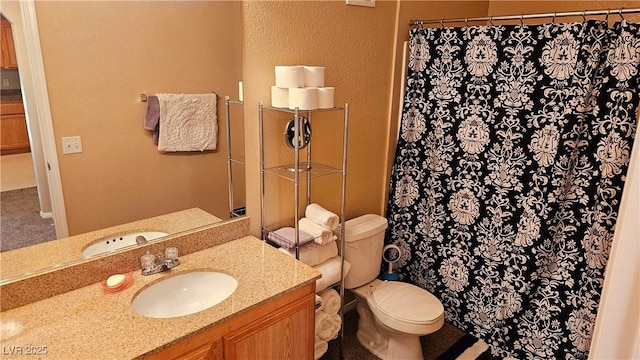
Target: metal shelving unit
[(239, 160), (302, 172)]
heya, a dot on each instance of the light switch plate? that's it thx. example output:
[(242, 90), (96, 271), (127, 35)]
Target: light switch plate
[(71, 145)]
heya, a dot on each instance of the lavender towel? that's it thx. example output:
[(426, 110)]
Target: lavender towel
[(286, 237), (152, 118)]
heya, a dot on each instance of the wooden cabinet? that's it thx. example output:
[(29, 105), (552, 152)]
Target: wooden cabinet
[(208, 351), (281, 329), (282, 335), (14, 135), (8, 58)]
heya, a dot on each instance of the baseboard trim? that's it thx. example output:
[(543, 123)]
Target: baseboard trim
[(46, 215)]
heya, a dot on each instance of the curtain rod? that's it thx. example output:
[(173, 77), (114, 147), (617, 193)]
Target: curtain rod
[(584, 14)]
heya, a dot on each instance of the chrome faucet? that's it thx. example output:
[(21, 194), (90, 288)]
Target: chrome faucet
[(153, 264)]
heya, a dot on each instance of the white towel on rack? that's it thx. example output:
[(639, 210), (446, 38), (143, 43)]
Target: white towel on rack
[(313, 254), (188, 122), (327, 326), (321, 234), (322, 216), (320, 347), (334, 325), (323, 325), (330, 271), (330, 301)]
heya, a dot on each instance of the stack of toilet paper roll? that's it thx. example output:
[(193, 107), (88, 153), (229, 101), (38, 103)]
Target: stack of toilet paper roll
[(302, 87)]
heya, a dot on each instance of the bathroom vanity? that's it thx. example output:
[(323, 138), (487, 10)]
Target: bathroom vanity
[(270, 314)]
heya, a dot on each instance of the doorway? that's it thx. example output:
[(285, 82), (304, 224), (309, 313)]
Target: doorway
[(24, 219), (32, 92)]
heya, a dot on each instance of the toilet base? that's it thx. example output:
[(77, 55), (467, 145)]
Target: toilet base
[(406, 348), (385, 346)]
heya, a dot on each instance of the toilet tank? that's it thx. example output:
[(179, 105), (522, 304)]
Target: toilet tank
[(364, 240)]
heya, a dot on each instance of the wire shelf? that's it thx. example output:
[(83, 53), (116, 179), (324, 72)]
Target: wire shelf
[(306, 170)]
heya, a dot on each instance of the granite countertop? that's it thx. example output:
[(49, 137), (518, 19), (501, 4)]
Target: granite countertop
[(23, 261), (86, 323)]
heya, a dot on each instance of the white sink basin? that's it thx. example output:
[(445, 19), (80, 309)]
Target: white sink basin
[(184, 294), (113, 243)]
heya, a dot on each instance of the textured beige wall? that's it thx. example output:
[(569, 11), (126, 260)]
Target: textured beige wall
[(99, 57), (354, 44)]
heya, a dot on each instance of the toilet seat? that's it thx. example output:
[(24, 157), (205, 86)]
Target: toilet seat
[(405, 307)]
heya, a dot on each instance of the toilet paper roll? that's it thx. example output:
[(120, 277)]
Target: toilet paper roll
[(314, 76), (290, 76), (279, 97), (326, 97), (303, 98)]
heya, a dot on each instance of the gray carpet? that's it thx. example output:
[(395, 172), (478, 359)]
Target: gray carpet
[(20, 221), (432, 345)]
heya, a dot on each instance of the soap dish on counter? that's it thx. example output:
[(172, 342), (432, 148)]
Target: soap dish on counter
[(117, 282)]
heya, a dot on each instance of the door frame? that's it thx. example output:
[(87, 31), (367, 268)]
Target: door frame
[(38, 111)]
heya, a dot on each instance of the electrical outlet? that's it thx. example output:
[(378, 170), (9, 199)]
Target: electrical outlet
[(71, 145)]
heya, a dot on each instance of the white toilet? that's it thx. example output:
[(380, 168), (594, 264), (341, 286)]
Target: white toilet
[(392, 314)]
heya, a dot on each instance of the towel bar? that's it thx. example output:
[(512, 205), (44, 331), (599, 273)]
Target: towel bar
[(143, 97)]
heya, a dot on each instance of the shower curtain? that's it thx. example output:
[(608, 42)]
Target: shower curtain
[(508, 174)]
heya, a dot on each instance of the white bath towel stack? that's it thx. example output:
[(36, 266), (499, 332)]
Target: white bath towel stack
[(322, 216), (328, 322), (321, 234), (314, 254), (330, 271), (319, 224)]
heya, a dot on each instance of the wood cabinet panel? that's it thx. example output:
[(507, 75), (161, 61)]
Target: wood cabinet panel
[(286, 334), (209, 351), (14, 136), (8, 58), (11, 108)]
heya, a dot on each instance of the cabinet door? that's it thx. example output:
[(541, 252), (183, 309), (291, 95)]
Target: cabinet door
[(8, 57), (283, 334), (195, 348), (204, 352), (14, 136)]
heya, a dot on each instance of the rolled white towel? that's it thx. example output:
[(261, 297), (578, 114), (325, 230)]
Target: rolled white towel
[(334, 325), (322, 216), (313, 254), (330, 301), (320, 347), (324, 325), (330, 270), (321, 235)]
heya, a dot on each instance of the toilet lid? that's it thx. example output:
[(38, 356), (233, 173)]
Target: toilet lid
[(398, 301)]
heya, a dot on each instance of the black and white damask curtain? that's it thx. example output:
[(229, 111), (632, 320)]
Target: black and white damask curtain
[(509, 170)]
